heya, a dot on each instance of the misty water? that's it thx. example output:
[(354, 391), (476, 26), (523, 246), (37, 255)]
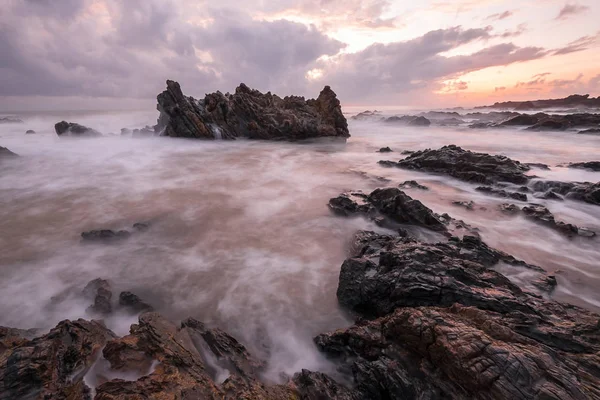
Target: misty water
[(241, 236)]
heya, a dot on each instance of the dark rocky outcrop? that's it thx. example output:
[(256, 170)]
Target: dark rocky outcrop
[(387, 204), (412, 185), (112, 236), (469, 205), (100, 291), (581, 191), (443, 324), (523, 119), (133, 303), (542, 215), (250, 113), (104, 235), (65, 128), (410, 120), (52, 366), (465, 165), (6, 153), (385, 150), (591, 165), (502, 193)]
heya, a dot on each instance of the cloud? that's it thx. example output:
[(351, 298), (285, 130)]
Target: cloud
[(397, 69), (499, 16), (128, 49), (521, 28), (541, 75), (569, 10), (499, 88), (583, 43)]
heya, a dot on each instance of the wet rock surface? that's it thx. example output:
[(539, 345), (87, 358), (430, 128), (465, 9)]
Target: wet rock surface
[(542, 215), (65, 128), (409, 120), (390, 204), (250, 113), (502, 193), (581, 191), (6, 153), (465, 165), (412, 185), (441, 323), (112, 236)]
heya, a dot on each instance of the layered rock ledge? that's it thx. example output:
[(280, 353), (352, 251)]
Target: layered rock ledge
[(251, 114)]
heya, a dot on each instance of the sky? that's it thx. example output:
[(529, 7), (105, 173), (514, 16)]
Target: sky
[(111, 54)]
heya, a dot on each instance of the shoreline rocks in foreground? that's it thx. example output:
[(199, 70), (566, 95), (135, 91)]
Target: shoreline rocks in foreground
[(440, 322), (251, 114)]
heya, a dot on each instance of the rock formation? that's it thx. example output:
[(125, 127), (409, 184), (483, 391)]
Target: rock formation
[(249, 113), (6, 153), (465, 165), (65, 128)]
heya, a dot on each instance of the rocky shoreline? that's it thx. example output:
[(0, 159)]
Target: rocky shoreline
[(434, 320)]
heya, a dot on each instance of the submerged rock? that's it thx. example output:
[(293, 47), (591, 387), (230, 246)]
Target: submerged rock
[(250, 113), (100, 291), (65, 128), (367, 115), (542, 215), (385, 150), (409, 120), (466, 204), (412, 185), (6, 153), (502, 193), (29, 132), (581, 191), (10, 120), (466, 165), (104, 235)]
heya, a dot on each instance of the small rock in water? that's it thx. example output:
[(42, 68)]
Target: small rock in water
[(466, 204), (538, 165), (132, 302), (30, 131), (412, 185), (385, 150), (502, 193), (509, 208), (6, 153), (590, 165), (65, 128), (104, 235), (100, 291), (141, 226)]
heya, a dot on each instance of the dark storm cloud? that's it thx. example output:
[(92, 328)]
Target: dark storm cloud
[(128, 49)]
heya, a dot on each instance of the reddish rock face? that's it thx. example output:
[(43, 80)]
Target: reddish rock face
[(250, 113)]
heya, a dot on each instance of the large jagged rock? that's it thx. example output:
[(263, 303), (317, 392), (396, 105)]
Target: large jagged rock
[(465, 165), (469, 353), (389, 272), (53, 366), (443, 324), (65, 128), (250, 113)]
